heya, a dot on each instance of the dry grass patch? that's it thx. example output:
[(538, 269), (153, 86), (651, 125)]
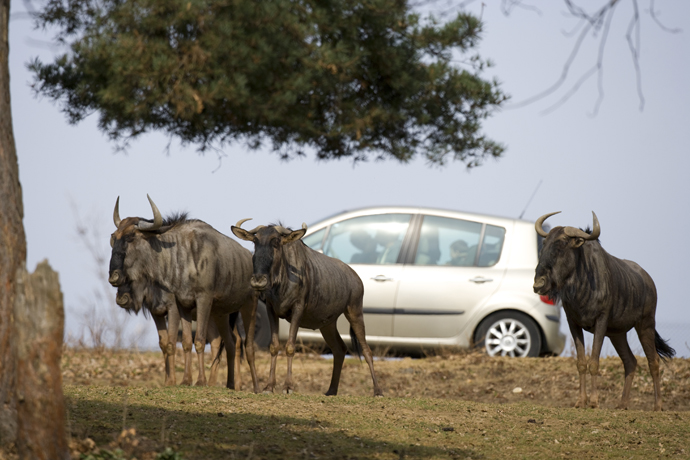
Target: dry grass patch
[(464, 405)]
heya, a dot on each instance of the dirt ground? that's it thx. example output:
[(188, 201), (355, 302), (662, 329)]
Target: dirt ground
[(551, 382)]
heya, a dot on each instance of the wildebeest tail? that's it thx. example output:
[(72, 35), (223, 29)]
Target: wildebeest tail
[(355, 345), (233, 321), (220, 350), (663, 348)]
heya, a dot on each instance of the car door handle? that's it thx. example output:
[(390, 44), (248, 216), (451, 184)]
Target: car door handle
[(381, 278), (480, 280)]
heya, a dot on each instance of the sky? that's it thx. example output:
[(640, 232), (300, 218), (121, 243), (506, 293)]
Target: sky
[(630, 166)]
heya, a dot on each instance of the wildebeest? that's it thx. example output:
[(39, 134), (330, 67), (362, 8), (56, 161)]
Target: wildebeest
[(197, 266), (309, 290), (603, 295)]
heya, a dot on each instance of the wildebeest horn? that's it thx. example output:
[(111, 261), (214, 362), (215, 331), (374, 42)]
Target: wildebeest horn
[(282, 230), (304, 225), (240, 222), (577, 233), (157, 219), (116, 213), (538, 224), (253, 232)]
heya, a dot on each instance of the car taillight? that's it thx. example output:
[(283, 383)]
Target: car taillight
[(546, 299)]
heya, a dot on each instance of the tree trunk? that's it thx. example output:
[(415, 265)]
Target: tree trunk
[(39, 321), (12, 238)]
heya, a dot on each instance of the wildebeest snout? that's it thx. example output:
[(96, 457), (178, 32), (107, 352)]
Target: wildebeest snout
[(539, 284), (259, 282), (116, 278), (123, 299)]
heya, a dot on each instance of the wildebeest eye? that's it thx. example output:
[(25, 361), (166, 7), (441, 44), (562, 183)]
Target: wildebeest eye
[(275, 243)]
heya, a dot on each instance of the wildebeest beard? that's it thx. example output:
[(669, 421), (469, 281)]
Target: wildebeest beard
[(147, 298)]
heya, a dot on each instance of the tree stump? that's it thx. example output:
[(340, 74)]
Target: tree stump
[(37, 333)]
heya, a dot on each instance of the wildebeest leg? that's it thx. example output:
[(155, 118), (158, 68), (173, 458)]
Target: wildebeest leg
[(593, 365), (356, 318), (223, 325), (214, 338), (620, 343), (186, 316), (647, 336), (238, 356), (203, 315), (274, 348), (335, 343), (297, 311), (578, 338), (162, 328), (249, 320), (171, 346)]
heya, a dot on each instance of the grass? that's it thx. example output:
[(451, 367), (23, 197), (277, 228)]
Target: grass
[(214, 423), (450, 406)]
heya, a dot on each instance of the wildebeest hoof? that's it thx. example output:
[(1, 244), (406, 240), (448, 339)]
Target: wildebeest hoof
[(186, 383), (199, 383), (288, 391), (378, 394)]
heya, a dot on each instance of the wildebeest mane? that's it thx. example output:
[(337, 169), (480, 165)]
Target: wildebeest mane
[(173, 219), (279, 223)]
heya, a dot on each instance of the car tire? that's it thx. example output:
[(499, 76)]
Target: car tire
[(508, 333), (262, 330)]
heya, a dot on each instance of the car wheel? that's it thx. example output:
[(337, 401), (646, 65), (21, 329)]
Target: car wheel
[(262, 330), (508, 333)]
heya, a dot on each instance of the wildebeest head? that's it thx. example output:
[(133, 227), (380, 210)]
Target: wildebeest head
[(128, 231), (559, 254), (268, 245), (136, 296)]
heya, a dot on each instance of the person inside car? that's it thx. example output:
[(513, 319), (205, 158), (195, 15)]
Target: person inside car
[(459, 254)]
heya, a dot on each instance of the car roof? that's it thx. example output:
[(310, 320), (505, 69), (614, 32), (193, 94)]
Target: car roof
[(372, 210)]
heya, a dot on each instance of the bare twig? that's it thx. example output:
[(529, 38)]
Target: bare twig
[(102, 318), (653, 14), (598, 24), (634, 27)]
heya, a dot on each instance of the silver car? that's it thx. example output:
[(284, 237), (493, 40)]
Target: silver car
[(441, 279)]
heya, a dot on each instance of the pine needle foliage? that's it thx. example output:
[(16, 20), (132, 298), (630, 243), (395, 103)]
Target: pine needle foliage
[(357, 79)]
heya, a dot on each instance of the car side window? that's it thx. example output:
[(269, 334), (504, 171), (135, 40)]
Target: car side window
[(492, 244), (445, 241), (368, 239), (315, 240)]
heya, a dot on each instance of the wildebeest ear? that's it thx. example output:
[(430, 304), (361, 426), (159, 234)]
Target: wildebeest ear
[(294, 236), (242, 233), (577, 242)]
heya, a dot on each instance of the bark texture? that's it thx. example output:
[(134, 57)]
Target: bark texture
[(38, 329), (12, 238)]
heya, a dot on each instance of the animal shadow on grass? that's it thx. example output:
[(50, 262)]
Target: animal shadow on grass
[(225, 434)]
